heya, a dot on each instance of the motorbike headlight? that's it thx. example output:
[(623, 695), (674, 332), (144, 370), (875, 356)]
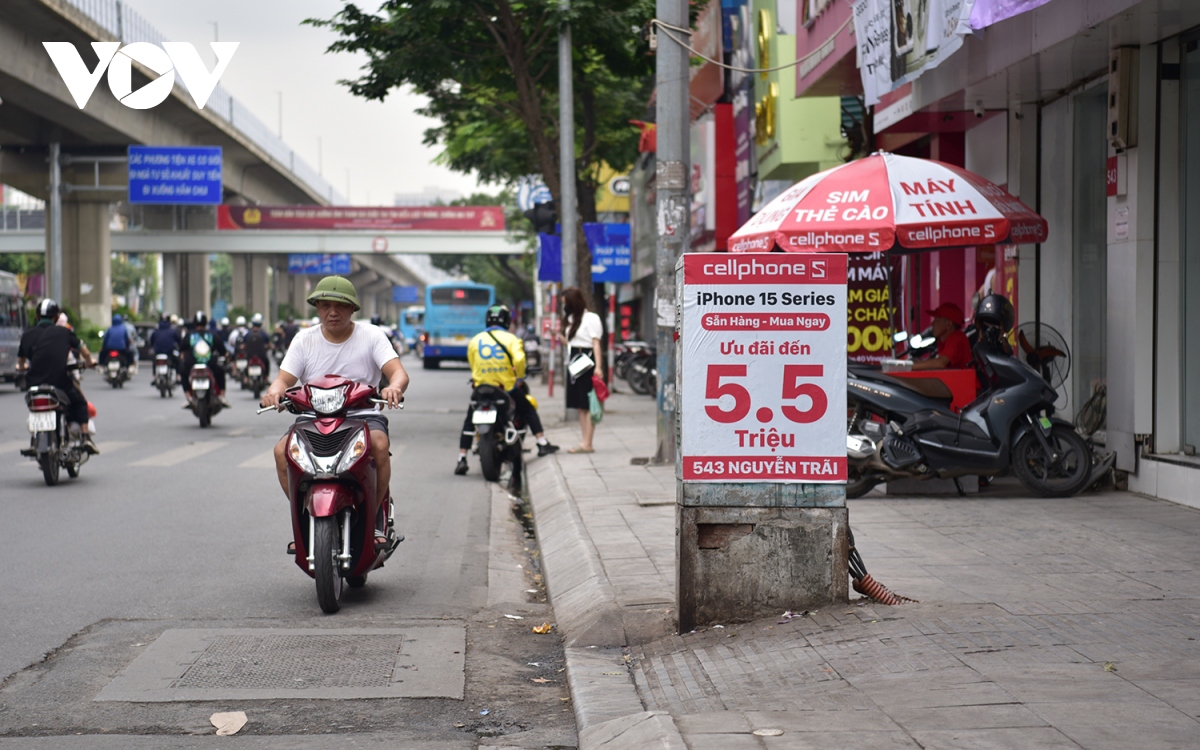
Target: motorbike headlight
[(327, 400), (299, 454), (354, 452)]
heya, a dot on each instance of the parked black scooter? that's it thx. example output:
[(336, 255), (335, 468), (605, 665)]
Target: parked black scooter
[(902, 428)]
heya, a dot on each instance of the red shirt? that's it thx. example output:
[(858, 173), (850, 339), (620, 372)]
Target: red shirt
[(957, 349)]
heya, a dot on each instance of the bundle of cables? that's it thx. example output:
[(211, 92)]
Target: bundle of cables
[(864, 584)]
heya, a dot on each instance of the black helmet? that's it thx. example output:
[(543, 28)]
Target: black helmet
[(200, 319), (995, 310), (498, 315), (48, 309), (376, 320)]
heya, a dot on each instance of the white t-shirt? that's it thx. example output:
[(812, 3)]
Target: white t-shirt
[(590, 328), (359, 358)]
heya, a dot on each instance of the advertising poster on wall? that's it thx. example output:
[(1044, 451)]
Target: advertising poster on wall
[(900, 39), (763, 370), (869, 308)]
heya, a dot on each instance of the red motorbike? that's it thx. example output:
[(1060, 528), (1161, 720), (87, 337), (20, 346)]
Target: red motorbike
[(204, 399), (255, 380), (331, 487)]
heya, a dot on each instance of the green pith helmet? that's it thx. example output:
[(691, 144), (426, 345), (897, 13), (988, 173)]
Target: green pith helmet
[(334, 289)]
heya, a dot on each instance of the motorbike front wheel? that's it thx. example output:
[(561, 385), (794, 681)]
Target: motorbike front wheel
[(489, 456), (326, 546), (1048, 478)]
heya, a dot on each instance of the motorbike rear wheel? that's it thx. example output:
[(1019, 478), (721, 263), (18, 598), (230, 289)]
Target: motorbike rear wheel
[(1062, 479), (489, 456), (49, 463), (73, 469), (205, 416), (326, 545), (858, 485)]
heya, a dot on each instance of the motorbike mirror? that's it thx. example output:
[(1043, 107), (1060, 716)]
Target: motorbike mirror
[(899, 336)]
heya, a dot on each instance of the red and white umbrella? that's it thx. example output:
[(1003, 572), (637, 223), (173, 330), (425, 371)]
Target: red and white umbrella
[(886, 202)]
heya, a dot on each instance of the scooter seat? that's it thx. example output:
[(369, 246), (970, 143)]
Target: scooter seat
[(929, 387)]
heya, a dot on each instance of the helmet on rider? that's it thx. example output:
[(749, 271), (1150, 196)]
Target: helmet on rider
[(117, 319), (241, 320), (257, 320), (48, 309), (224, 322), (334, 289), (376, 320), (200, 319), (498, 315), (995, 310)]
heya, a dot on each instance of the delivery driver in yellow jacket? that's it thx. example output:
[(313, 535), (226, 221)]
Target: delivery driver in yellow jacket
[(497, 358)]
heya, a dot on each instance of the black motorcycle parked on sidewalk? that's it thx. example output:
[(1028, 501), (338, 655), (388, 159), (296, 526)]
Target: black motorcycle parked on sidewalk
[(904, 428)]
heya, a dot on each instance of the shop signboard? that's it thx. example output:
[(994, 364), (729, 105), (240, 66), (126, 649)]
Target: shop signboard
[(763, 368)]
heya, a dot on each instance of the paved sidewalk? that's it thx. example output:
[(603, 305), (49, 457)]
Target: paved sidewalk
[(1042, 623)]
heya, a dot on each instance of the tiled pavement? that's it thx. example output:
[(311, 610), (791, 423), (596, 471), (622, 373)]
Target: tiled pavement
[(1042, 623)]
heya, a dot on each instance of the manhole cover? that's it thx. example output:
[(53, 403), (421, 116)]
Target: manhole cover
[(208, 664)]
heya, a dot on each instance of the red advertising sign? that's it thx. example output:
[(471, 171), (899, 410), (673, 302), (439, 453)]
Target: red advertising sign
[(445, 218), (763, 372), (1110, 176)]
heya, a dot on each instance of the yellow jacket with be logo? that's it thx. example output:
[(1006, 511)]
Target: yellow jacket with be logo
[(489, 363)]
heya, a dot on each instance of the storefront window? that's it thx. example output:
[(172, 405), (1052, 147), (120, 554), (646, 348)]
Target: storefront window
[(1190, 116), (1090, 251)]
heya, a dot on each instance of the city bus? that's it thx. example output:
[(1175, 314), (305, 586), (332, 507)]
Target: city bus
[(12, 324), (454, 312), (411, 325)]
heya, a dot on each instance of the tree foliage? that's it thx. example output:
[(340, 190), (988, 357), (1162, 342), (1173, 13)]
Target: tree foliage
[(490, 71), (512, 275)]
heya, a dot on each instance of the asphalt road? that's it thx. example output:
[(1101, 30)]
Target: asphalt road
[(177, 527)]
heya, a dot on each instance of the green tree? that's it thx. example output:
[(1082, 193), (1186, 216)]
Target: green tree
[(23, 263), (512, 275), (136, 280), (489, 70)]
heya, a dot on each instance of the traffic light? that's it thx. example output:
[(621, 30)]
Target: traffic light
[(543, 217)]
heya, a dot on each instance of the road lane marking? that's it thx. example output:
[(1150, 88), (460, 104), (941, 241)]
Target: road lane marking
[(238, 432), (261, 461), (110, 446), (13, 446), (179, 455)]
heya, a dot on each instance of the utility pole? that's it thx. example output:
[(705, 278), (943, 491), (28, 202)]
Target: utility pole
[(566, 154), (672, 171)]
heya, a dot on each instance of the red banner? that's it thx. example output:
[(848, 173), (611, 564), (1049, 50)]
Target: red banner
[(444, 218)]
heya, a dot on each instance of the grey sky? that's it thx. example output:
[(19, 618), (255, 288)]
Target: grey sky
[(380, 143)]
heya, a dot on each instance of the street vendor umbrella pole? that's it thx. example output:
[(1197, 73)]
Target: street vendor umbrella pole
[(889, 203)]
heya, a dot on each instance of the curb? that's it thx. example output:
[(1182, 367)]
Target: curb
[(608, 712)]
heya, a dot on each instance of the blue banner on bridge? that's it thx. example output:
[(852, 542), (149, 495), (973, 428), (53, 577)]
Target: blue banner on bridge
[(319, 264), (406, 295), (175, 174)]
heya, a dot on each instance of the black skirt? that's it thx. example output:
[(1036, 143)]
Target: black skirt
[(577, 392)]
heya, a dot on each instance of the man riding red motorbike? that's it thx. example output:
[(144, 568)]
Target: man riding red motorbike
[(359, 353)]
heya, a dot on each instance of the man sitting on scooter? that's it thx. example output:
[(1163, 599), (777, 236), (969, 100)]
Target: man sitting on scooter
[(216, 349), (42, 356), (116, 339), (341, 347), (255, 343), (497, 358), (165, 340), (953, 347)]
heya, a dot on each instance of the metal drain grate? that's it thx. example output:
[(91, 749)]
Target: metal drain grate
[(294, 661), (413, 661)]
